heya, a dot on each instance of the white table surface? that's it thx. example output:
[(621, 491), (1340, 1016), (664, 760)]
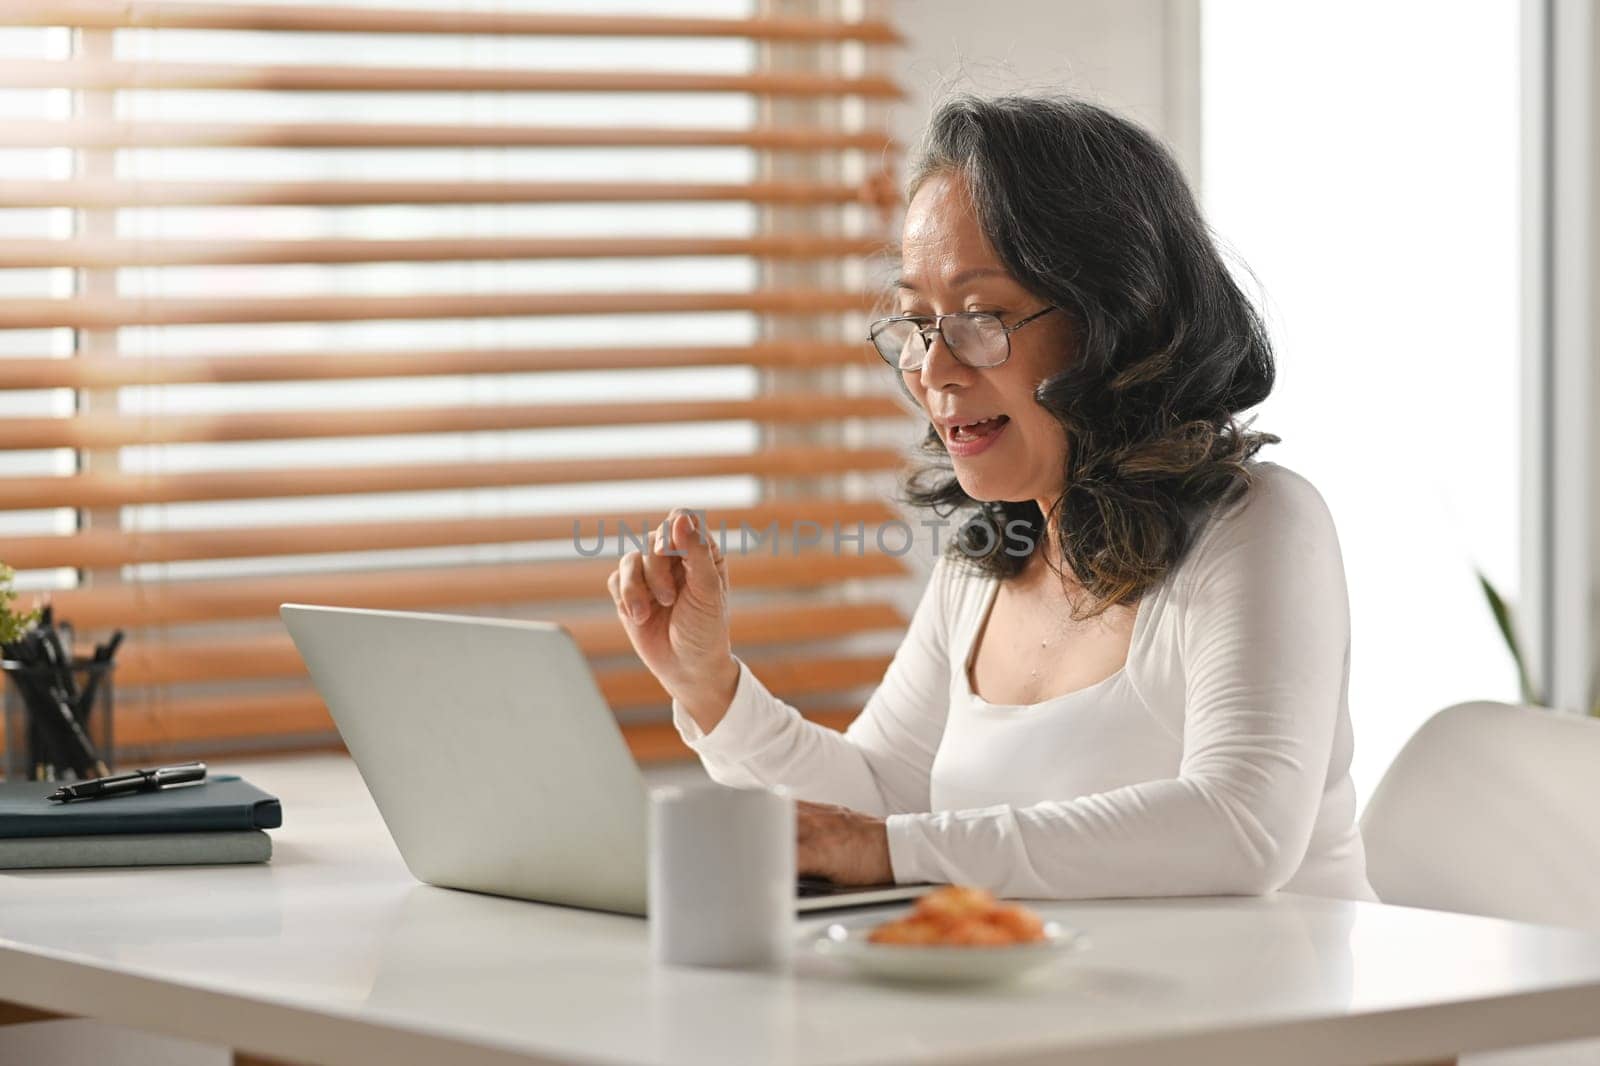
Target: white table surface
[(333, 954)]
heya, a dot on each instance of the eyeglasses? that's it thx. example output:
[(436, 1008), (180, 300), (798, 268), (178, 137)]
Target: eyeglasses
[(976, 338)]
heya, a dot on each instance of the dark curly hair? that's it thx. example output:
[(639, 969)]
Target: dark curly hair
[(1091, 214)]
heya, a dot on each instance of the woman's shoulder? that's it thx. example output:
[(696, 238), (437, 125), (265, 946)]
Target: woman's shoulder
[(1278, 506), (1276, 492), (960, 587)]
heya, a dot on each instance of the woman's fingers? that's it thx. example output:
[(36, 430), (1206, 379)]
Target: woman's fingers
[(712, 546), (704, 568), (841, 844), (633, 594), (807, 863), (680, 553), (658, 569), (816, 829), (614, 586), (810, 820)]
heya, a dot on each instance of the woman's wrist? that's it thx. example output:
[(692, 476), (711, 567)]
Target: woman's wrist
[(707, 702), (882, 863)]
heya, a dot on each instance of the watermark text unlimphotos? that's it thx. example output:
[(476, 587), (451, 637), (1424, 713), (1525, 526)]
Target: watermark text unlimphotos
[(893, 537)]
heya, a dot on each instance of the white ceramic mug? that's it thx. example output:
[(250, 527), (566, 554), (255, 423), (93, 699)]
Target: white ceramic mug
[(722, 876)]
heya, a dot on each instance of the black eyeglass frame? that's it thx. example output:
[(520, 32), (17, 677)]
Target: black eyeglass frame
[(935, 326)]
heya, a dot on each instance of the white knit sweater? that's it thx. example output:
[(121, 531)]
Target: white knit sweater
[(1216, 761)]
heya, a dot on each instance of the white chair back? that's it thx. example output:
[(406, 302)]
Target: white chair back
[(1492, 809)]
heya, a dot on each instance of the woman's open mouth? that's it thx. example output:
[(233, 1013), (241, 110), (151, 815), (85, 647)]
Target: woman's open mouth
[(974, 437)]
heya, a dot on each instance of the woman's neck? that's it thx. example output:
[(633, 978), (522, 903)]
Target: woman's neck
[(1048, 562), (1046, 548)]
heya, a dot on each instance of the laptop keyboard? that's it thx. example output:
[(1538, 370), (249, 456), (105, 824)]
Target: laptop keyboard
[(806, 887)]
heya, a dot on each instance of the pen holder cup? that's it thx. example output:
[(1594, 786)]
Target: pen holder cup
[(34, 740)]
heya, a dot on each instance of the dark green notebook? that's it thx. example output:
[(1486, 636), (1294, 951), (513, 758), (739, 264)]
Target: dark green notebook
[(224, 801)]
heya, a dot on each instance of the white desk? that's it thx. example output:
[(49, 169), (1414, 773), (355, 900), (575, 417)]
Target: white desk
[(332, 954)]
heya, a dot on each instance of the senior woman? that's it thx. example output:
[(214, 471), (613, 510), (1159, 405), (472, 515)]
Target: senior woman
[(1127, 674)]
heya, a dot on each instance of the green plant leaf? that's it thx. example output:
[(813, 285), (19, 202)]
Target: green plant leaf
[(12, 624), (1502, 619)]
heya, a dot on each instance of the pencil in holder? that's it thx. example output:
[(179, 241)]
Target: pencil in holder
[(52, 734)]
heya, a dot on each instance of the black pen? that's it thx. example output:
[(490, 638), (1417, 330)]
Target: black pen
[(103, 653), (80, 751), (61, 660), (35, 686), (134, 781)]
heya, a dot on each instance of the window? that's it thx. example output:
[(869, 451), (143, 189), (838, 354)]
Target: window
[(1377, 205), (402, 307)]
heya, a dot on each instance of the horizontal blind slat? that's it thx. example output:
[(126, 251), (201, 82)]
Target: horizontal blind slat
[(88, 133), (174, 76), (311, 18), (624, 688), (108, 312), (172, 603), (138, 368), (92, 192), (175, 661), (257, 725), (111, 489), (106, 253), (97, 549), (92, 430)]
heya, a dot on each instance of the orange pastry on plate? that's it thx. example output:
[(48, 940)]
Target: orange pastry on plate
[(947, 924), (961, 916)]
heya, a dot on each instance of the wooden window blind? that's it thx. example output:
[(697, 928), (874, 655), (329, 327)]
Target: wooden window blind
[(401, 307)]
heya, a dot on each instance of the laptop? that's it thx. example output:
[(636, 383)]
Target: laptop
[(494, 759)]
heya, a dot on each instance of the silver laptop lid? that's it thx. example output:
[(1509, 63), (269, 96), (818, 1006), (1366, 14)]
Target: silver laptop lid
[(490, 752)]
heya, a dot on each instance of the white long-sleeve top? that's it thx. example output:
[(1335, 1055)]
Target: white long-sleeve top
[(1216, 761)]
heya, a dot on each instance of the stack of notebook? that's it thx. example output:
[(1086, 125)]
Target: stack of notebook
[(218, 821)]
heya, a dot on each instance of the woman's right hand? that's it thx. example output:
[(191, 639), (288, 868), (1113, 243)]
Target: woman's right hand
[(674, 608)]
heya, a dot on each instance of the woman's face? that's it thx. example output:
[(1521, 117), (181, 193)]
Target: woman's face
[(948, 265)]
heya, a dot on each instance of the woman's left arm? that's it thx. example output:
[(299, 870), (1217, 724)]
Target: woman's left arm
[(1264, 643)]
